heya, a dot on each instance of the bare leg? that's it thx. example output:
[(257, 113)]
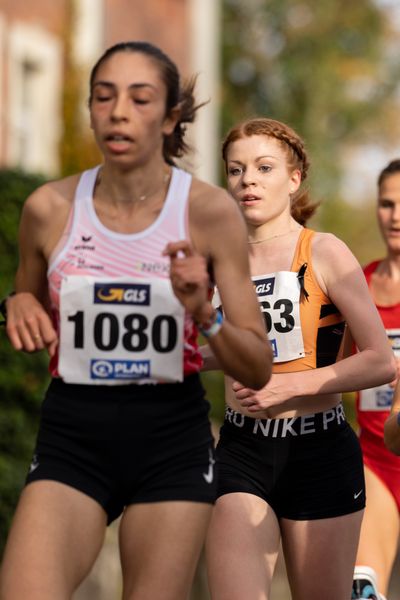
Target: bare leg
[(320, 556), (242, 548), (379, 536), (160, 546), (56, 535)]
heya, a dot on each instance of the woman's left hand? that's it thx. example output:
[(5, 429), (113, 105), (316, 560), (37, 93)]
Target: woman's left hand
[(273, 394), (189, 277), (394, 382)]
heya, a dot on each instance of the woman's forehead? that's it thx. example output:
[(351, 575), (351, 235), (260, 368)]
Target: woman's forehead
[(129, 67), (254, 144)]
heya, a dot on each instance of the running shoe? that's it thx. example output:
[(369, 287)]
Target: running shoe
[(364, 584)]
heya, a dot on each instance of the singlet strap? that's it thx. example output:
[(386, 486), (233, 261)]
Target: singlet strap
[(303, 249), (83, 190), (86, 183)]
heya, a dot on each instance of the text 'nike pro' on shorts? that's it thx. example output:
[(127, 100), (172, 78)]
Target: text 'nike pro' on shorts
[(308, 467)]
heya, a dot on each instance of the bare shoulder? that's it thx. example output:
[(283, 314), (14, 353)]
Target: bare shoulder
[(51, 200), (214, 217), (210, 203), (333, 261), (330, 250), (45, 215)]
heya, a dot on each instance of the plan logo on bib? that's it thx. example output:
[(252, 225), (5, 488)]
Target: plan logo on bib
[(119, 369)]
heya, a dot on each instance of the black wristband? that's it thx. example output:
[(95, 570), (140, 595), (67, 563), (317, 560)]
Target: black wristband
[(3, 308)]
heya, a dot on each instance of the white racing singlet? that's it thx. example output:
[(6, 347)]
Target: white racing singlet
[(118, 319)]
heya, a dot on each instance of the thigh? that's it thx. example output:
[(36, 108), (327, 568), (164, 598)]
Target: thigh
[(55, 537), (242, 547), (379, 536), (326, 547), (160, 544)]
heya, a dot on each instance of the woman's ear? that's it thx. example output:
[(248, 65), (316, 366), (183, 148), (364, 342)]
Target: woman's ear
[(295, 181), (171, 119)]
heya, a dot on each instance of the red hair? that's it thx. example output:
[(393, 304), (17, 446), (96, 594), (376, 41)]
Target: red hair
[(301, 206)]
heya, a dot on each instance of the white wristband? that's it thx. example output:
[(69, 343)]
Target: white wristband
[(212, 329)]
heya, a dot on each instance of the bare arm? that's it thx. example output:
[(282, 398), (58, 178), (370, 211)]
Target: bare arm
[(344, 283), (392, 424), (219, 235), (29, 326)]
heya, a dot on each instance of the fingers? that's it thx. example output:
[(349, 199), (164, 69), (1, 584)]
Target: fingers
[(237, 386), (29, 327), (172, 249)]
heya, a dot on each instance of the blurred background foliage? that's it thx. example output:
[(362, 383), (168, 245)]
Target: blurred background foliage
[(23, 377), (328, 68)]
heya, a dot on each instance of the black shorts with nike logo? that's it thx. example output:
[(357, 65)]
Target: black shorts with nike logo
[(308, 467), (127, 444)]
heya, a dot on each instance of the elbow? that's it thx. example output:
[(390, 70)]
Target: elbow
[(387, 370), (392, 434), (391, 370), (261, 376), (393, 447)]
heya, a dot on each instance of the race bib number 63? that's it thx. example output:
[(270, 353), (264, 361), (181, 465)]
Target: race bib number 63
[(119, 331)]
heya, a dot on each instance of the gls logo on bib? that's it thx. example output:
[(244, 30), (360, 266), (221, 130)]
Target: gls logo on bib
[(264, 287), (122, 293)]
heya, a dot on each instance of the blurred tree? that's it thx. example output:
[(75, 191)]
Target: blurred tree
[(326, 67), (23, 377), (78, 150)]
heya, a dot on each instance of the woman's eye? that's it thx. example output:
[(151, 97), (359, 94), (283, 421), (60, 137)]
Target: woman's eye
[(103, 98), (140, 101), (234, 171), (265, 168)]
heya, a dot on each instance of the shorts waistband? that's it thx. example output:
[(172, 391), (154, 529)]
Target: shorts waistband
[(332, 418)]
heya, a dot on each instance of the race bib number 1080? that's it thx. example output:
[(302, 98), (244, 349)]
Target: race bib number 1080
[(119, 331)]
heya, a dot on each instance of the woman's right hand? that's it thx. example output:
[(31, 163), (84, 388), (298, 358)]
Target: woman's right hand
[(29, 326)]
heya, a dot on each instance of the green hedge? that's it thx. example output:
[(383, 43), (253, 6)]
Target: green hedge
[(23, 377)]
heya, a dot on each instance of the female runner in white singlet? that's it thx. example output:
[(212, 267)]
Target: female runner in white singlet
[(124, 426)]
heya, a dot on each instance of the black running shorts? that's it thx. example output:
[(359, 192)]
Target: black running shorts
[(305, 468), (127, 444)]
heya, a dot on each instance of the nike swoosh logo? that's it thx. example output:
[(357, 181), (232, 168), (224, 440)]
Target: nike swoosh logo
[(358, 494), (209, 476)]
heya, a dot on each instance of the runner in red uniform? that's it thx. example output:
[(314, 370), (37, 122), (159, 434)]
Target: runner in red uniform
[(379, 536)]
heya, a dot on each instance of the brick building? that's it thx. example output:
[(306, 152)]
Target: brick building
[(33, 41)]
